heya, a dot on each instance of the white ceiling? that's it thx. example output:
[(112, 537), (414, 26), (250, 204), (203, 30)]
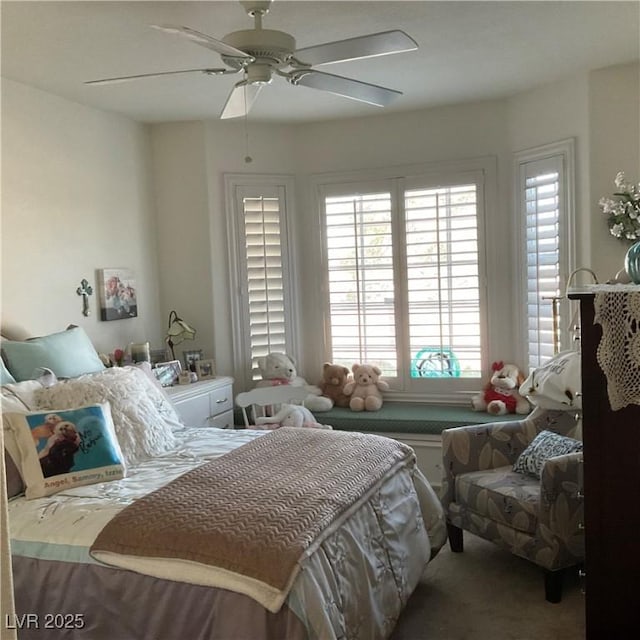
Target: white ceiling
[(467, 51)]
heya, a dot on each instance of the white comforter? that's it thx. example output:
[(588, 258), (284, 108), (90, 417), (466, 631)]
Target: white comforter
[(63, 527)]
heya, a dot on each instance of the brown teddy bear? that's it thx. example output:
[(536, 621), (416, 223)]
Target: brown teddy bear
[(365, 388), (334, 377)]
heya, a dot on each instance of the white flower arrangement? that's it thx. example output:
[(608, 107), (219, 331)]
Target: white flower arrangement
[(624, 213)]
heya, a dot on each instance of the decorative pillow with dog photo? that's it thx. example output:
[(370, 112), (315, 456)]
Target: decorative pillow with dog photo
[(66, 449)]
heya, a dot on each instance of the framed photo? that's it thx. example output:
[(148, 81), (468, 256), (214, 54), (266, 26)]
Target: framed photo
[(205, 369), (158, 356), (118, 294), (167, 373), (191, 357)]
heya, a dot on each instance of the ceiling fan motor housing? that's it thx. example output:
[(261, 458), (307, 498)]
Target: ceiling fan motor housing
[(265, 45)]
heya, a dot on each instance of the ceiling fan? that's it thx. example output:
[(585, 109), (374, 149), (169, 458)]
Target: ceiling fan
[(259, 54)]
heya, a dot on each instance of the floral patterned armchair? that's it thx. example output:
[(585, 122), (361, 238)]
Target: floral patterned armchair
[(537, 519)]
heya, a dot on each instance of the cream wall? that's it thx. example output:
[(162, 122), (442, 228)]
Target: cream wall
[(189, 161), (614, 131), (449, 134), (455, 133), (549, 114), (76, 196), (84, 189), (601, 109)]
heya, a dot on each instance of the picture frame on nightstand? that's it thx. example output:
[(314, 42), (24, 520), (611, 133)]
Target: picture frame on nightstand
[(167, 372), (206, 369), (191, 358)]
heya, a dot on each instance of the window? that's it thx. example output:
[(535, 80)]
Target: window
[(361, 283), (443, 280), (404, 276), (545, 184), (263, 314)]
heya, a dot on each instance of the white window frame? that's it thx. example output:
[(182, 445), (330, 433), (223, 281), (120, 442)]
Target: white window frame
[(481, 171), (563, 152), (238, 186)]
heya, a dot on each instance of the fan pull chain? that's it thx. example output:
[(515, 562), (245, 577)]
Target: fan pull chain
[(248, 159)]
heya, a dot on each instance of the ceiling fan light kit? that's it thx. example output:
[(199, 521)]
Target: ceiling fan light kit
[(259, 53)]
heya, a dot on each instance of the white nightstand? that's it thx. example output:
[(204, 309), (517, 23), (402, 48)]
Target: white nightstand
[(207, 403)]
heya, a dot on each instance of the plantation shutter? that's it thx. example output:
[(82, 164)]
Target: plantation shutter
[(443, 282), (265, 275), (361, 279), (541, 187)]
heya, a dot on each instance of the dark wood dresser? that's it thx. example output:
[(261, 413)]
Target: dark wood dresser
[(612, 495)]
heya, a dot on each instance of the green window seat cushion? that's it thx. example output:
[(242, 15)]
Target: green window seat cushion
[(408, 417)]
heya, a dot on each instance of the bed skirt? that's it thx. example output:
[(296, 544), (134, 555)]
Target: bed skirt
[(92, 602)]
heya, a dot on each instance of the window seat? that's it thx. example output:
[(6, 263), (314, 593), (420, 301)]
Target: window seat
[(408, 418)]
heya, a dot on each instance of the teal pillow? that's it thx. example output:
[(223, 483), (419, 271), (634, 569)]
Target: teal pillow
[(68, 354), (5, 376)]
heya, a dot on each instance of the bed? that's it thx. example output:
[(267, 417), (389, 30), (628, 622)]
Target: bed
[(348, 550)]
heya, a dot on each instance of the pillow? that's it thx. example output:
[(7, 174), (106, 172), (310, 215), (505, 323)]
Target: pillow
[(546, 444), (68, 354), (5, 375), (144, 418), (18, 397), (66, 449), (557, 384), (15, 485)]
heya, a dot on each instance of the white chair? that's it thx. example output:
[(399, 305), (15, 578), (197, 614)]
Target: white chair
[(263, 401)]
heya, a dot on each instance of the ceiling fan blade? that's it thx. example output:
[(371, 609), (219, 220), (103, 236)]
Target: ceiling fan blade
[(376, 44), (204, 40), (209, 72), (346, 87), (240, 100)]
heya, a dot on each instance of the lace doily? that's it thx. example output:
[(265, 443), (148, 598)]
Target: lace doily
[(619, 350)]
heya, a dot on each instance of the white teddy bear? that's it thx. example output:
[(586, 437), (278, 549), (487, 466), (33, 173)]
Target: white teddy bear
[(290, 415), (279, 368)]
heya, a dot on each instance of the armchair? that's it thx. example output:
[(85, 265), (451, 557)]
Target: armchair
[(539, 520)]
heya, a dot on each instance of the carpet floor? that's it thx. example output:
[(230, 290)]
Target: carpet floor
[(486, 593)]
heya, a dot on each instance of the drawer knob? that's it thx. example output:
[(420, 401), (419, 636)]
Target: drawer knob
[(221, 401)]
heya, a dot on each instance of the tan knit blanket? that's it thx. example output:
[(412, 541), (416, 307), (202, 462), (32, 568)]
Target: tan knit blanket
[(253, 514)]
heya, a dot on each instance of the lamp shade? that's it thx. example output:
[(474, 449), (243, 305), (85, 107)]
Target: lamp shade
[(178, 331)]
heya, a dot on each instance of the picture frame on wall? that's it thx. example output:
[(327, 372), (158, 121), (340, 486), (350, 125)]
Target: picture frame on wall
[(206, 369), (118, 294), (167, 373)]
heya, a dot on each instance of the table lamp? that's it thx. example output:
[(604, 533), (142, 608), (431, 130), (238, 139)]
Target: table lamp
[(178, 331)]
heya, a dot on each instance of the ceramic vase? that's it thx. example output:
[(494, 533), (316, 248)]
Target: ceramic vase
[(632, 262)]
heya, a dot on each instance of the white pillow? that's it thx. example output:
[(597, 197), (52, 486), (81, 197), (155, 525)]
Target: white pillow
[(557, 384), (144, 418), (66, 449), (20, 396)]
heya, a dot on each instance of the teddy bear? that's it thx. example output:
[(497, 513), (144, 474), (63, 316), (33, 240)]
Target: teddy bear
[(366, 388), (290, 415), (501, 394), (334, 378), (278, 368)]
